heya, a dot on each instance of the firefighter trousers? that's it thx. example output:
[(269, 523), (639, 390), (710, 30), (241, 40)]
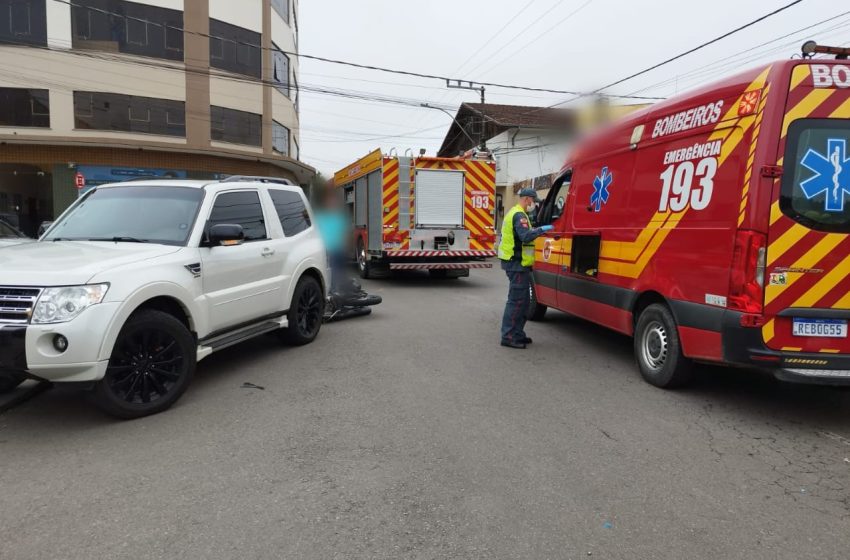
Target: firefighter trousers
[(516, 308)]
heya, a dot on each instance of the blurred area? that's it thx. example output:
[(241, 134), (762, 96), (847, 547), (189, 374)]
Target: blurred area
[(529, 144)]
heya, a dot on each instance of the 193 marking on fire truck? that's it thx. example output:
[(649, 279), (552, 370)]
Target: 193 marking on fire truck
[(832, 174), (480, 200)]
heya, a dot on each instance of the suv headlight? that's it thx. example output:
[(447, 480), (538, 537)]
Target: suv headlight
[(58, 305)]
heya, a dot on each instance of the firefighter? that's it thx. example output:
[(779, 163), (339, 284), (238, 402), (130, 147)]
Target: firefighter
[(516, 251)]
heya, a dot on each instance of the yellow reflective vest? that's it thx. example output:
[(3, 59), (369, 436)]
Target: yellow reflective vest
[(508, 244)]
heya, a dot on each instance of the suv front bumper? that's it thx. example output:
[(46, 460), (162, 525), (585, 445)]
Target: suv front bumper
[(29, 348)]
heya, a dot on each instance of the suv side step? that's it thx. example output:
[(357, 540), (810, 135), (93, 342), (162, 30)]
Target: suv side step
[(225, 340)]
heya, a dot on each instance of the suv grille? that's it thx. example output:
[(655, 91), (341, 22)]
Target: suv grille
[(16, 304)]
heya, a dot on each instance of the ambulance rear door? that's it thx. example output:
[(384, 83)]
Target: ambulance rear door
[(807, 293)]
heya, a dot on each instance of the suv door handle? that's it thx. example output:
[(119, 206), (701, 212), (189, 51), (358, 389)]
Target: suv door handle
[(267, 251)]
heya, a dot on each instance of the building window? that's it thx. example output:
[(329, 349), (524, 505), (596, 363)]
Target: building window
[(23, 22), (282, 8), (24, 107), (235, 49), (127, 27), (280, 138), (281, 70), (291, 211), (237, 127), (129, 113)]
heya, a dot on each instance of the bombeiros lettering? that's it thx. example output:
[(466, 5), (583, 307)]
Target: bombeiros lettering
[(687, 120), (830, 75)]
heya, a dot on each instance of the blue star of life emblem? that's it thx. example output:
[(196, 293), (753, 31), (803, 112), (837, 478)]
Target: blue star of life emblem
[(832, 174), (600, 189)]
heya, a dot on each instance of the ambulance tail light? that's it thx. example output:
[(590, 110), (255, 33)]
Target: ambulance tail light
[(746, 286)]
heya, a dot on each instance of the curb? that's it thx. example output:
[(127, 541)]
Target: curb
[(27, 390)]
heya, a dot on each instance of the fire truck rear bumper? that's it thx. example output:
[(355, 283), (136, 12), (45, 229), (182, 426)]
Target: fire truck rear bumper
[(439, 266), (745, 346)]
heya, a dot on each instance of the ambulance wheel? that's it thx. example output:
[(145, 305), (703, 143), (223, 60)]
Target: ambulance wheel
[(658, 349), (536, 310), (363, 260)]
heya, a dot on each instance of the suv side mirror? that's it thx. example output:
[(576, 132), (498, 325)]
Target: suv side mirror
[(226, 234)]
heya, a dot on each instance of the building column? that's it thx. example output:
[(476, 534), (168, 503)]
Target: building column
[(268, 76), (196, 49)]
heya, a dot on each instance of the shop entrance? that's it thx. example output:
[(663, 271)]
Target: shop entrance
[(26, 197)]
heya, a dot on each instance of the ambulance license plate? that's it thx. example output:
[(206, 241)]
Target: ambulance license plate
[(827, 328)]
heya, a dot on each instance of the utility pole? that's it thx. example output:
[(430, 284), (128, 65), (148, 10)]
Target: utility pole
[(472, 86), (460, 84)]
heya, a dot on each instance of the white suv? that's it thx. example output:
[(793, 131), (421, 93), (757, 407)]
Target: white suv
[(137, 281)]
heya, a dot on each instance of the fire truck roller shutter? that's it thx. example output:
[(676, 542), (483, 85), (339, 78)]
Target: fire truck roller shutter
[(439, 198), (376, 208), (360, 202)]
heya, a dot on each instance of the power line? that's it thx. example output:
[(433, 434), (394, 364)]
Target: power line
[(738, 54), (540, 36), (701, 46), (326, 59), (673, 58)]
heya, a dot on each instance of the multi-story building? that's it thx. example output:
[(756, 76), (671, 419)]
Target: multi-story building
[(101, 90)]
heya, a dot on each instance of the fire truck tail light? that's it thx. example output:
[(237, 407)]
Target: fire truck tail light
[(746, 283)]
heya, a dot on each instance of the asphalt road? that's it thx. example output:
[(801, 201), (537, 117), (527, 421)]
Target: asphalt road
[(413, 434)]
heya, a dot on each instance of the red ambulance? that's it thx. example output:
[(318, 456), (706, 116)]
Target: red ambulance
[(714, 227)]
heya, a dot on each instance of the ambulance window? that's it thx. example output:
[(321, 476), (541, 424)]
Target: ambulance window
[(816, 179), (556, 201)]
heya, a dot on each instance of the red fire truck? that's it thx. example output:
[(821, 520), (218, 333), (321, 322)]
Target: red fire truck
[(714, 227), (425, 213)]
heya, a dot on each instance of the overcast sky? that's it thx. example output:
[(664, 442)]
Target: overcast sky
[(559, 44)]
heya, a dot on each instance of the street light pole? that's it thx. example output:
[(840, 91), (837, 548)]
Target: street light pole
[(462, 129)]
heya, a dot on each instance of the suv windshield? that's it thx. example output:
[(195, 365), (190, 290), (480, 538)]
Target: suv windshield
[(816, 181), (146, 214)]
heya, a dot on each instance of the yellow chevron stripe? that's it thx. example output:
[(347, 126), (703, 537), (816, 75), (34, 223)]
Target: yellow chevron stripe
[(479, 225), (633, 270), (785, 241), (809, 260), (476, 184), (830, 350), (775, 212), (843, 111), (768, 332), (843, 303), (805, 107), (828, 282), (800, 73)]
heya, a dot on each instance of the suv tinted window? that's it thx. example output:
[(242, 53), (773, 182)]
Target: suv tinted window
[(291, 211), (241, 208), (816, 181)]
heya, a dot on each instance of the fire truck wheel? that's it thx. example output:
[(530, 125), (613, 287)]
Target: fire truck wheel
[(363, 260), (657, 349), (536, 310)]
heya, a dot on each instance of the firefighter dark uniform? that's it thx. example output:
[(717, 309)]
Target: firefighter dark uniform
[(516, 251)]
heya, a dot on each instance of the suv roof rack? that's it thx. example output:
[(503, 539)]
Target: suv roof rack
[(257, 179)]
